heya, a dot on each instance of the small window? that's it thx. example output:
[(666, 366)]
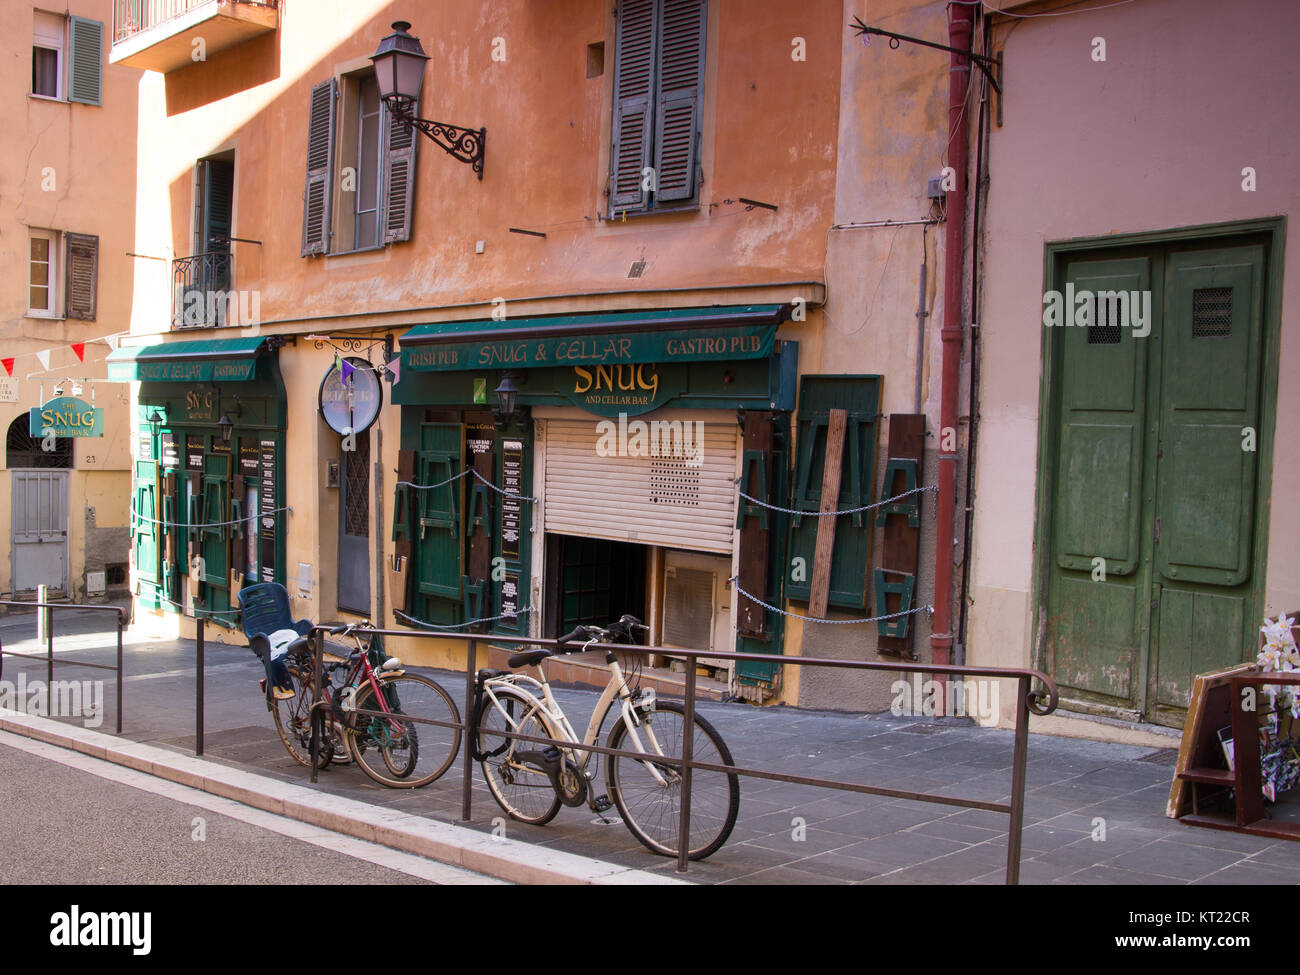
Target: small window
[(47, 54), (42, 274)]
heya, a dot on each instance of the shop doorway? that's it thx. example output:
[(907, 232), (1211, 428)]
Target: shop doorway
[(596, 581), (354, 527)]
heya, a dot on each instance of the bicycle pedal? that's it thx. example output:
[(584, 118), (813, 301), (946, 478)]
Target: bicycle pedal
[(601, 803)]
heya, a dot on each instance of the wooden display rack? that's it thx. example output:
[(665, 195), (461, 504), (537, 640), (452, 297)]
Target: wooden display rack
[(1218, 702)]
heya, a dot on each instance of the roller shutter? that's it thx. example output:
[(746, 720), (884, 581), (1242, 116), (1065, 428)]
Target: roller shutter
[(654, 500)]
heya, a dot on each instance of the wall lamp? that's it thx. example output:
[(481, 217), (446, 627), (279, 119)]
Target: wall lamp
[(508, 409), (225, 424), (399, 70)]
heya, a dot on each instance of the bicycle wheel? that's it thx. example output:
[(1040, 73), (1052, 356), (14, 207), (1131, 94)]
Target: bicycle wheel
[(651, 810), (397, 752), (293, 723), (523, 791)]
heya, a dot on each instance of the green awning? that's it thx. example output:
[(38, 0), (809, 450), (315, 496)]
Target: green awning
[(203, 360), (724, 332)]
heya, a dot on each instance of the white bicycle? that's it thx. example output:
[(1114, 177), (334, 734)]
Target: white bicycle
[(530, 780)]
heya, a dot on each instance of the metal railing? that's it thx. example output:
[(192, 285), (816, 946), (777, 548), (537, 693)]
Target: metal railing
[(130, 17), (48, 656), (1028, 701), (201, 289)]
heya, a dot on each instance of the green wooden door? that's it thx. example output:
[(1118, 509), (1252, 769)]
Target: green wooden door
[(1206, 468), (438, 532), (1152, 495), (214, 537)]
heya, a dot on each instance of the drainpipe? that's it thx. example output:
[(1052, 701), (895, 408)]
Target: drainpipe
[(959, 38)]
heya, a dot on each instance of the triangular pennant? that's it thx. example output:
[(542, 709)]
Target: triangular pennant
[(347, 370), (338, 362), (111, 341), (8, 364), (395, 367), (44, 358), (80, 349)]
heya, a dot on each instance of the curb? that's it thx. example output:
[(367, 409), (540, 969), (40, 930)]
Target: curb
[(511, 860)]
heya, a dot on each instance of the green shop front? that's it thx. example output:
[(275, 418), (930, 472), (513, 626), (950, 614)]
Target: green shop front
[(566, 470), (209, 486)]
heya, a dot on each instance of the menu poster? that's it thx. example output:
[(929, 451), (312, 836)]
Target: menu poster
[(267, 510), (146, 447), (250, 460), (220, 447), (512, 473), (194, 452), (510, 596), (171, 452)]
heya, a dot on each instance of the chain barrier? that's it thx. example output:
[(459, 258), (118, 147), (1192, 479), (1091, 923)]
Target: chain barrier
[(735, 581), (831, 514)]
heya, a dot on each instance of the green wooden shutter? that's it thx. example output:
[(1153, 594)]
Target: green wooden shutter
[(1103, 394), (82, 275), (146, 532), (634, 60), (320, 169), (1206, 481), (859, 396), (86, 66), (398, 169), (677, 114), (439, 538)]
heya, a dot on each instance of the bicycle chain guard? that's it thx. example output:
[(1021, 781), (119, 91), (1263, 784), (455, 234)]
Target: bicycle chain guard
[(566, 778)]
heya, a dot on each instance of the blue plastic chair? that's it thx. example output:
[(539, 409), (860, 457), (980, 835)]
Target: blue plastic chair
[(265, 609)]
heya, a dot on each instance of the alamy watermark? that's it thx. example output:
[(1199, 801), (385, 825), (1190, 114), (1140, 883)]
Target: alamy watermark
[(61, 699), (1098, 309), (197, 306), (673, 439), (963, 699)]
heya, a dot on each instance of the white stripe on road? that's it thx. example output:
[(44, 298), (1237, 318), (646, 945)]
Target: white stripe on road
[(407, 863)]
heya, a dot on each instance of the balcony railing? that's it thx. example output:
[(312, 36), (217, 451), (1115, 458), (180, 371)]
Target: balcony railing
[(162, 35), (201, 295), (132, 16)]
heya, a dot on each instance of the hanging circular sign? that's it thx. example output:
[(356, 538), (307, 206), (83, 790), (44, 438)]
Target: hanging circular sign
[(351, 396)]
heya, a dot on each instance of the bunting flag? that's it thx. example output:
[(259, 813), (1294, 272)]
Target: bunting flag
[(111, 340), (79, 348), (338, 362), (8, 364), (44, 358), (347, 369), (395, 367)]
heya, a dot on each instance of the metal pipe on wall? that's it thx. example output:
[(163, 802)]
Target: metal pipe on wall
[(959, 38)]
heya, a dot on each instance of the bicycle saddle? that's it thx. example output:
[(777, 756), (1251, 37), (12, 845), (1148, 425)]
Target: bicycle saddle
[(528, 658)]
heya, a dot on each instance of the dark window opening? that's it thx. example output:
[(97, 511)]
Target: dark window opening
[(24, 450)]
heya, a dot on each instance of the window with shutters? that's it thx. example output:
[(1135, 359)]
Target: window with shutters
[(658, 81), (360, 169), (62, 275), (67, 58)]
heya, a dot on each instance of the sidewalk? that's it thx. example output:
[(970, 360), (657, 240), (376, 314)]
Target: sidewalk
[(786, 834)]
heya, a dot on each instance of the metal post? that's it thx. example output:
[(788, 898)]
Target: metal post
[(48, 613), (198, 687), (42, 621), (688, 754), (467, 784), (318, 661), (119, 672), (1018, 781)]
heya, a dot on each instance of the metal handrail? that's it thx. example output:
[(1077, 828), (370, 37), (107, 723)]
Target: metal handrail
[(1040, 701), (48, 657)]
